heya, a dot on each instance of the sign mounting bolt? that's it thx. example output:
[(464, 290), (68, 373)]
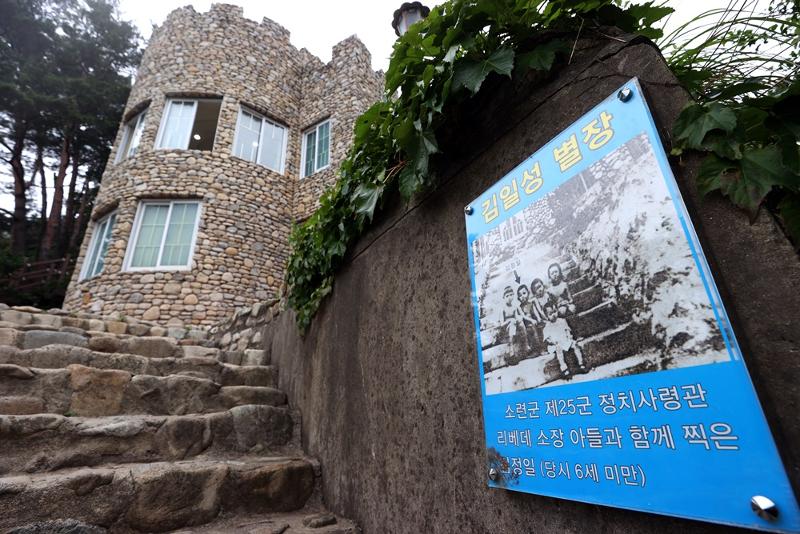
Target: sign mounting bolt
[(625, 94), (493, 474), (469, 210), (764, 507)]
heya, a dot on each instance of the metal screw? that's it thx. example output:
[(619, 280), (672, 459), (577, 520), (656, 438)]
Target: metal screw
[(493, 474), (764, 507), (469, 210), (625, 94)]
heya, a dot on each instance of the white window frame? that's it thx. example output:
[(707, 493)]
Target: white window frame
[(135, 236), (244, 109), (136, 121), (163, 122), (165, 114), (306, 133), (88, 264)]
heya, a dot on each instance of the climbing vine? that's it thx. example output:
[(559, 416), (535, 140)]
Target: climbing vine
[(437, 65)]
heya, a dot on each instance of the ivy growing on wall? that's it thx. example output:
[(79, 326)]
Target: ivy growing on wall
[(445, 59)]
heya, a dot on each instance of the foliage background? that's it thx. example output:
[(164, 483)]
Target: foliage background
[(65, 73)]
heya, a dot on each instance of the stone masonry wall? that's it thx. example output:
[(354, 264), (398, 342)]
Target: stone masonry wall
[(246, 209), (340, 91), (243, 329)]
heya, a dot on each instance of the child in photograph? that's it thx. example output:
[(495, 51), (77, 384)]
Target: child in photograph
[(513, 323), (559, 339), (559, 291), (539, 298), (530, 316)]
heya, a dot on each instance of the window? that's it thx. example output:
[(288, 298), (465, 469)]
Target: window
[(131, 136), (189, 124), (260, 140), (316, 148), (164, 235), (98, 246)]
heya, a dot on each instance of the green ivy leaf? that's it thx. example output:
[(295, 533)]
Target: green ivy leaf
[(696, 120), (543, 56), (450, 56), (760, 170), (766, 164), (404, 133), (366, 199), (408, 182), (723, 145), (690, 77), (647, 14), (471, 74), (751, 125), (711, 170), (789, 209), (788, 136)]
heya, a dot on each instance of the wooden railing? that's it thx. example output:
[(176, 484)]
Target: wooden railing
[(37, 274)]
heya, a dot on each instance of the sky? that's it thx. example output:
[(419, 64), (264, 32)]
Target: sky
[(314, 24), (317, 25)]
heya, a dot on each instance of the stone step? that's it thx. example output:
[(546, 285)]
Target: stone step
[(606, 347), (157, 497), (46, 442), (91, 392), (152, 346), (580, 283), (60, 356), (26, 316), (572, 273), (622, 342), (310, 520), (588, 298), (602, 317)]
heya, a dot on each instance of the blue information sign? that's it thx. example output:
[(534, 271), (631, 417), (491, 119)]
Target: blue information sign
[(609, 370)]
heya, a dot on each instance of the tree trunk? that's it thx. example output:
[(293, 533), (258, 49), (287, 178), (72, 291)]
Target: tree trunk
[(38, 167), (19, 221), (69, 219), (51, 232), (80, 221)]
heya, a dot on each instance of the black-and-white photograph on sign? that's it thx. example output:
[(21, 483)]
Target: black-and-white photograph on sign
[(595, 280)]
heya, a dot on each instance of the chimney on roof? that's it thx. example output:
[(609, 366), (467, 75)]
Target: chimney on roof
[(408, 14)]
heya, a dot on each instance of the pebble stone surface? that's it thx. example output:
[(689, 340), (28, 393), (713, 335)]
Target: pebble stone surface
[(247, 210)]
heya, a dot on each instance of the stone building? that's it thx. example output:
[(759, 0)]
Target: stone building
[(230, 135)]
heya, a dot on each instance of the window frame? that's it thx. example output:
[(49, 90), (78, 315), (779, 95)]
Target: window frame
[(134, 237), (128, 133), (188, 140), (315, 129), (96, 241), (263, 118)]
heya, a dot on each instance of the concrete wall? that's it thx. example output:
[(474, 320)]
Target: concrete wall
[(247, 210), (386, 377)]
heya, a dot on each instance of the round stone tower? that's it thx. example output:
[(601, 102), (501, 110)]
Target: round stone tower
[(230, 135)]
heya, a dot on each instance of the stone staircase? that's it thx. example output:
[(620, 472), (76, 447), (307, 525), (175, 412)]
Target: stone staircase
[(125, 426)]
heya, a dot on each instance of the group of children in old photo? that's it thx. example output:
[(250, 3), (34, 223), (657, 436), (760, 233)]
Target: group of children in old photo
[(533, 319)]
